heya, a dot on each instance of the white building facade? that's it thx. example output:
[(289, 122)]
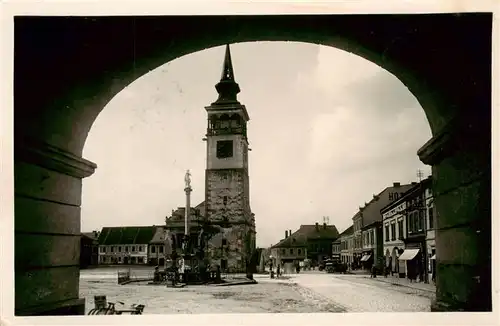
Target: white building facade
[(394, 231), (347, 248), (123, 254), (431, 232)]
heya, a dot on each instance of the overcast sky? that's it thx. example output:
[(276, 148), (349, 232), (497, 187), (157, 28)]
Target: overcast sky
[(328, 130)]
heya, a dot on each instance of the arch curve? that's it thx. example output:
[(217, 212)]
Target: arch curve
[(67, 69), (89, 71)]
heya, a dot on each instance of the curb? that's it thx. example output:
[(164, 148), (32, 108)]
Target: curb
[(408, 286)]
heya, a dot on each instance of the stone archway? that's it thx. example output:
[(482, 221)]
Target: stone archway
[(66, 70)]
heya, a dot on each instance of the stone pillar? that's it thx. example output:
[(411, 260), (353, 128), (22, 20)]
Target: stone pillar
[(187, 213), (47, 185), (460, 156)]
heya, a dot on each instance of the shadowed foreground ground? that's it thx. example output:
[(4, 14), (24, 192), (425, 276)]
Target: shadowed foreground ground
[(309, 292)]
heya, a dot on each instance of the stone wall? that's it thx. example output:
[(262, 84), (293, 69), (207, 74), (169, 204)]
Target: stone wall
[(238, 158), (235, 251), (226, 196)]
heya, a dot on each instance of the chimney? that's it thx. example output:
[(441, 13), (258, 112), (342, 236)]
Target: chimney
[(286, 234), (396, 184), (317, 226), (289, 232)]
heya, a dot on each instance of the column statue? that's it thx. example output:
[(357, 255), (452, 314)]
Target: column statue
[(187, 179)]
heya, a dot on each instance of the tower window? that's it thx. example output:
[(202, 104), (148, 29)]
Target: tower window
[(224, 200), (224, 148)]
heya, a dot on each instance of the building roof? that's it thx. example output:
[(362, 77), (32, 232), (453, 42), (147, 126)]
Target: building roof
[(196, 211), (127, 235), (308, 232), (91, 235), (227, 88), (371, 225), (426, 183), (347, 231), (371, 211), (159, 235)]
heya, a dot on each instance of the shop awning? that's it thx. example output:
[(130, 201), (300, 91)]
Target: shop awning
[(409, 254), (365, 257), (433, 257)]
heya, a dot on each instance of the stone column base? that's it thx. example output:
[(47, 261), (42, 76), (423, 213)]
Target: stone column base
[(442, 306), (61, 308)]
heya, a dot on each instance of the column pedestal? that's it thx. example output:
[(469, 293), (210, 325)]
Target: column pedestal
[(47, 185), (461, 156)]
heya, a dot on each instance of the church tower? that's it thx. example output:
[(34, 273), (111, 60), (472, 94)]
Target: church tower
[(227, 192)]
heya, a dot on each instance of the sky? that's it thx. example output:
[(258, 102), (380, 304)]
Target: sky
[(327, 129)]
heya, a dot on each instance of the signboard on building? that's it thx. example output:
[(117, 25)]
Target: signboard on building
[(398, 209)]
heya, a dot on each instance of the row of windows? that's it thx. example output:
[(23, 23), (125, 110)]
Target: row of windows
[(119, 248), (390, 230), (346, 244), (369, 238), (291, 251), (113, 260), (357, 225), (416, 221), (153, 249)]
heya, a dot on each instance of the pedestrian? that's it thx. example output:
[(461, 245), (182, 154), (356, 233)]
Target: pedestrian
[(374, 272), (278, 270)]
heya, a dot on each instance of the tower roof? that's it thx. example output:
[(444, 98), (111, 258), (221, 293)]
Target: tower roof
[(227, 88)]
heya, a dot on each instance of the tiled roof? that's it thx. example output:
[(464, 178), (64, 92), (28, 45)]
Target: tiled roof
[(179, 213), (347, 231), (159, 235), (90, 235), (308, 232), (201, 208), (126, 235)]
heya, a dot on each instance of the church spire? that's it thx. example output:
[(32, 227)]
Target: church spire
[(227, 87)]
